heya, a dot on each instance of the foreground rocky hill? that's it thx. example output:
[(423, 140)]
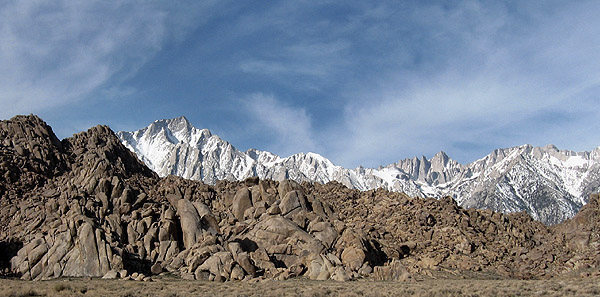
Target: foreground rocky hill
[(86, 206), (549, 184)]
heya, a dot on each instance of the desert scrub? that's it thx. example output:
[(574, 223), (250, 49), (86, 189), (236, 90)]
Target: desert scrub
[(24, 293), (59, 287)]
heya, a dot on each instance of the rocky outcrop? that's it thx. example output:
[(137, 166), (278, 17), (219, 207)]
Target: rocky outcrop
[(77, 249), (85, 206)]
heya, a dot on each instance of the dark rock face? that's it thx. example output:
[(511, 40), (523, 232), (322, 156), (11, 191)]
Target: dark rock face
[(85, 206)]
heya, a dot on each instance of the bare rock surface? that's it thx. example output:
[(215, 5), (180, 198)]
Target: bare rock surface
[(86, 206)]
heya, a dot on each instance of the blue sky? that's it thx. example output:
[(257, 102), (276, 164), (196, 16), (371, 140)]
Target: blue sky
[(360, 82)]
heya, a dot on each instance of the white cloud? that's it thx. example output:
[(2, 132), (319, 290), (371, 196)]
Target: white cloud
[(291, 125), (315, 60), (490, 85), (56, 52)]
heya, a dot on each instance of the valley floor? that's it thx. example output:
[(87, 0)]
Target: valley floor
[(301, 287)]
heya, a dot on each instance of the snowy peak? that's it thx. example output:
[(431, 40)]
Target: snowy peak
[(178, 123), (262, 157), (174, 146), (550, 184), (440, 158), (440, 169), (180, 130)]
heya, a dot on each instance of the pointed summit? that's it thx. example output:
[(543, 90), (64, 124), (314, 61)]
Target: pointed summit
[(441, 155), (178, 123), (182, 125), (179, 120)]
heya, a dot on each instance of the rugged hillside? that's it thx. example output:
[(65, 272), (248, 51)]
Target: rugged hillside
[(85, 206), (549, 184)]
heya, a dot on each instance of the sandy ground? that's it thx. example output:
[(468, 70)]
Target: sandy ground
[(302, 287)]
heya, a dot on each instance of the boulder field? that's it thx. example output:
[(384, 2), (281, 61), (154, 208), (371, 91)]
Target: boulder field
[(87, 207)]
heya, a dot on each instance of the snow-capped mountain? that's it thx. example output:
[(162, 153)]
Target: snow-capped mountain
[(550, 184)]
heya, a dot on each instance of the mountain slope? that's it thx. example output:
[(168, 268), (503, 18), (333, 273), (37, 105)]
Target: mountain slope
[(550, 184)]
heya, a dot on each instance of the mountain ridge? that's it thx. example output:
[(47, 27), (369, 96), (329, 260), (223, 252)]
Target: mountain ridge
[(502, 181)]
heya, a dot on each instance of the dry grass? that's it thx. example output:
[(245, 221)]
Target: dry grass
[(300, 287)]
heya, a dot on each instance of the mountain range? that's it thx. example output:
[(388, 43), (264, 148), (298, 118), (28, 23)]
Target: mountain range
[(549, 184)]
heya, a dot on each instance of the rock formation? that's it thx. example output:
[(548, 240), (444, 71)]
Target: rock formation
[(86, 206)]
